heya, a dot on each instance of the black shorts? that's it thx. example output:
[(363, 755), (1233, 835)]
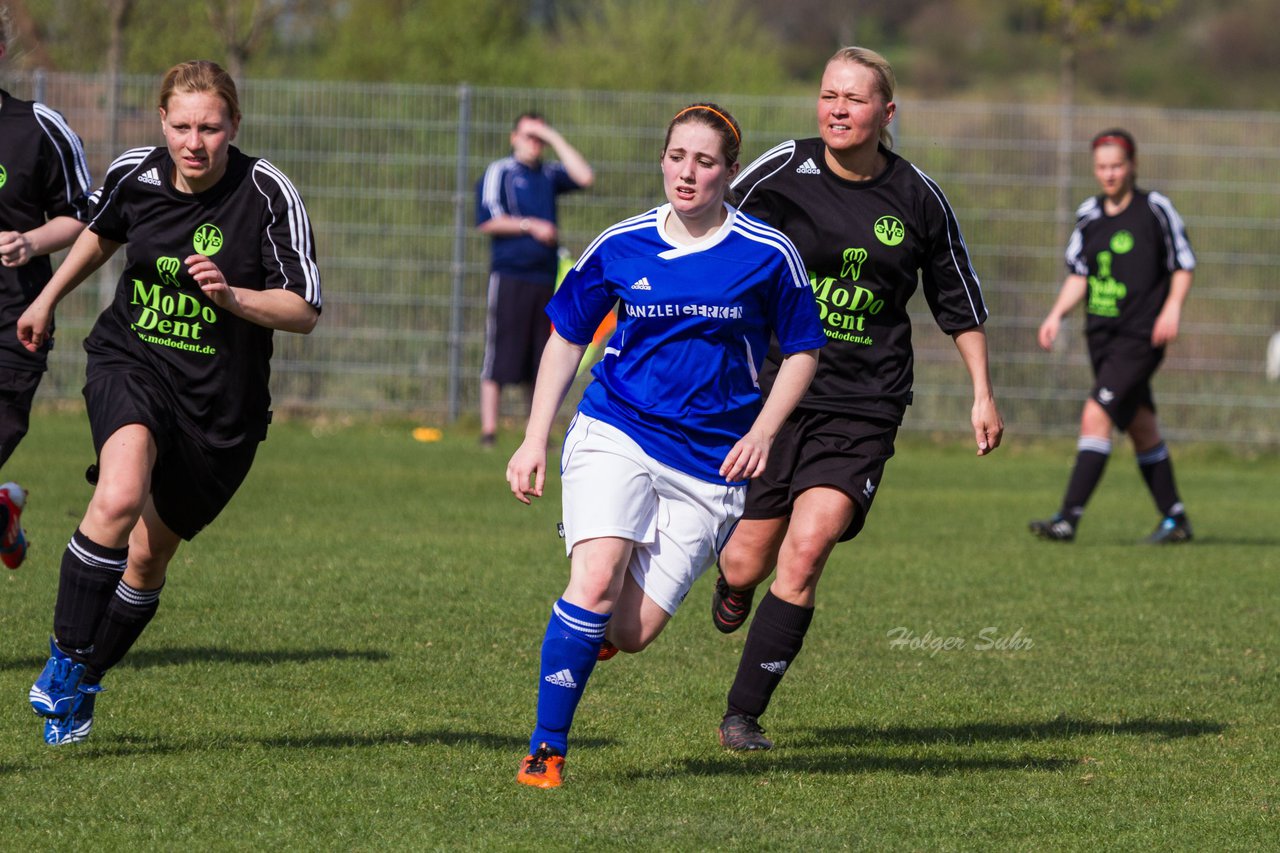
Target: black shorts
[(516, 329), (823, 449), (191, 482), (1122, 370), (17, 391)]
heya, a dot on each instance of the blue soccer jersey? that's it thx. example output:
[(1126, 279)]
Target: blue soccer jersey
[(679, 375)]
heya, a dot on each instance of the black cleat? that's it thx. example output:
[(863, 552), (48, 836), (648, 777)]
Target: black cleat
[(1171, 531), (1057, 529), (730, 607), (742, 733)]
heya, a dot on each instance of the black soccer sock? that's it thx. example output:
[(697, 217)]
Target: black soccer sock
[(86, 584), (127, 615), (1091, 461), (774, 640), (1157, 471)]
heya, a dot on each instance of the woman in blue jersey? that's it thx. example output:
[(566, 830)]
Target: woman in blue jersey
[(1129, 255), (218, 255), (655, 463)]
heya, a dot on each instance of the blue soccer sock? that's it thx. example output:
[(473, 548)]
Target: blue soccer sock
[(569, 652)]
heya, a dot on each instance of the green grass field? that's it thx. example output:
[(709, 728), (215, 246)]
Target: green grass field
[(347, 660)]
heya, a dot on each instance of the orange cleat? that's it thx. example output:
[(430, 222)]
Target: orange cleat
[(542, 769), (607, 651)]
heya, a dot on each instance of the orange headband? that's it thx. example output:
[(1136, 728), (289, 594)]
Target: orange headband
[(723, 118)]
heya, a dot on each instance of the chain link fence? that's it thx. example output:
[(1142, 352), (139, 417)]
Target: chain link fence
[(388, 174)]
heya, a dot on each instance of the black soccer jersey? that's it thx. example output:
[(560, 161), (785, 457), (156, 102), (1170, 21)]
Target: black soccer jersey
[(866, 245), (1128, 260), (43, 174), (253, 225)]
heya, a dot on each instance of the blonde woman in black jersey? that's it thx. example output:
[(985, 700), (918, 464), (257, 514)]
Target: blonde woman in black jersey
[(219, 254), (871, 227)]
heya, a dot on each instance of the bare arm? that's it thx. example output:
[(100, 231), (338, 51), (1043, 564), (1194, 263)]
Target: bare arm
[(1072, 292), (527, 470), (988, 427), (275, 308), (1167, 322), (574, 163), (18, 248), (88, 253), (748, 456)]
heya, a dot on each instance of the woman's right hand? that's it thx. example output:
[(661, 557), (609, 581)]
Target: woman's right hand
[(527, 470), (33, 325), (1049, 332)]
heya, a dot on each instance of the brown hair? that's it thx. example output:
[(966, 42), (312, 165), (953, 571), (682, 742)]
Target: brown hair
[(200, 75), (885, 80), (718, 119)]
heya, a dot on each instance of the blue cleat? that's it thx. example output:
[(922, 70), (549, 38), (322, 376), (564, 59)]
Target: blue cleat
[(75, 726), (55, 693)]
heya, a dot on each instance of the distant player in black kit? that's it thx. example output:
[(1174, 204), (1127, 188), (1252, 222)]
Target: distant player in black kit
[(869, 226), (219, 254), (44, 203), (1130, 255)]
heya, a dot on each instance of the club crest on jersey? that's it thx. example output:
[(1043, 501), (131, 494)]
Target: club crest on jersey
[(167, 268), (1121, 242), (4, 176), (207, 240), (890, 230)]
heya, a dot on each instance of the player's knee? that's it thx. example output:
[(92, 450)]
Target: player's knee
[(115, 506), (743, 566)]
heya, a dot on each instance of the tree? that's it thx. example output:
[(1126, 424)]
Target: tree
[(1075, 24)]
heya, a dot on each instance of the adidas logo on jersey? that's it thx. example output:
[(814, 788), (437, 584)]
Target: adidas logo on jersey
[(808, 167), (563, 678), (151, 176), (777, 667), (642, 284)]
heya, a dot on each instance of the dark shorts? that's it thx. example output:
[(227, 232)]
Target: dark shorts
[(823, 449), (17, 391), (191, 482), (516, 329), (1122, 370)]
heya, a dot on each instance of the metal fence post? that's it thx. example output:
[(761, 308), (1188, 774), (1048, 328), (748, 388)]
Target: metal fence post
[(459, 250)]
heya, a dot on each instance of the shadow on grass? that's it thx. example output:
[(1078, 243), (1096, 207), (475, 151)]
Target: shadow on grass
[(1055, 729), (436, 737), (123, 746), (844, 763), (146, 658)]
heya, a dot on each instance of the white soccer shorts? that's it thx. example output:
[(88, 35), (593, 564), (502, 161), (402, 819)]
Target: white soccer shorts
[(611, 487)]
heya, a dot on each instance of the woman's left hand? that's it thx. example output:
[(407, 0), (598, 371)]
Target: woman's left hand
[(211, 281)]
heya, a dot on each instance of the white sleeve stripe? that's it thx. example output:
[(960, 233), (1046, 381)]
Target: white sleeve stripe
[(77, 172), (783, 151), (1086, 213), (1178, 247), (128, 163), (773, 237), (491, 189), (299, 231), (953, 228), (634, 223)]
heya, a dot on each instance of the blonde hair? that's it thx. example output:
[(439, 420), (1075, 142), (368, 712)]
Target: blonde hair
[(200, 75), (885, 81)]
